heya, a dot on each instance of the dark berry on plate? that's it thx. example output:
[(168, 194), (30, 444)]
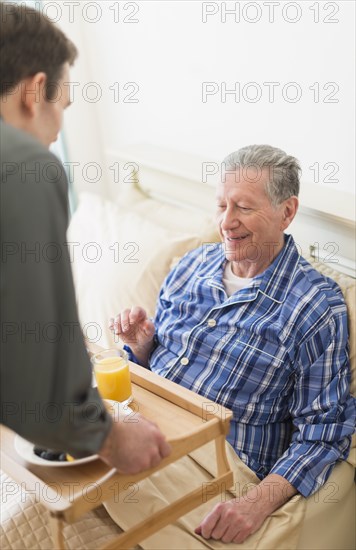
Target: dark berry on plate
[(47, 454), (38, 451), (50, 455)]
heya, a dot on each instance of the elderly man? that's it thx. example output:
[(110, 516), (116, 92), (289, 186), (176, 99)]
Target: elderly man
[(250, 324), (46, 393)]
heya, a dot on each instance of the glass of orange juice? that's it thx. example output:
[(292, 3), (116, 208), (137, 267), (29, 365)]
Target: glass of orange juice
[(111, 369)]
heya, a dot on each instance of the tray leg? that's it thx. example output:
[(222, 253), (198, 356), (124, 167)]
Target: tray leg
[(169, 514), (221, 458), (57, 532)]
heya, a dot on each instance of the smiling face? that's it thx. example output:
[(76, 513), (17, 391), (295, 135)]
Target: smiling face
[(250, 227)]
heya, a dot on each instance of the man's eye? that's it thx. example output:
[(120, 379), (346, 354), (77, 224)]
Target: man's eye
[(221, 206), (245, 209)]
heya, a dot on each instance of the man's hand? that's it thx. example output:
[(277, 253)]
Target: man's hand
[(134, 446), (236, 520), (135, 329), (231, 521)]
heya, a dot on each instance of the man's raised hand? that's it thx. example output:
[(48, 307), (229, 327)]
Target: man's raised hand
[(136, 330)]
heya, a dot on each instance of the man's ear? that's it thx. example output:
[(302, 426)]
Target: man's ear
[(33, 92), (289, 210)]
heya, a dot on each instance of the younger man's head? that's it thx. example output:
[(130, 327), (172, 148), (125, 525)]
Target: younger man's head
[(35, 58)]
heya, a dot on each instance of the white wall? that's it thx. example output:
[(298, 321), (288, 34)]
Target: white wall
[(169, 52)]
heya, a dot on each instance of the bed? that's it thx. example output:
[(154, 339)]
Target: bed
[(151, 207)]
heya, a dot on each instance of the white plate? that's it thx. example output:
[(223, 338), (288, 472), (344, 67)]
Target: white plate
[(26, 449)]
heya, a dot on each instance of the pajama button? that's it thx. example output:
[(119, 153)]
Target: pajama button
[(184, 361), (211, 323)]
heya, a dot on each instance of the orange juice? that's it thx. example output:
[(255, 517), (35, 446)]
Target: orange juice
[(113, 378)]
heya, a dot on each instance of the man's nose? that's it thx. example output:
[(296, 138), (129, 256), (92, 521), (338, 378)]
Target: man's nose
[(230, 219)]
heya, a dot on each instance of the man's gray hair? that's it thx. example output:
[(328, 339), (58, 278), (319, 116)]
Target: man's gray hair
[(284, 170)]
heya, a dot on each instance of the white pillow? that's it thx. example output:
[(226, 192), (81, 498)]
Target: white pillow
[(120, 259)]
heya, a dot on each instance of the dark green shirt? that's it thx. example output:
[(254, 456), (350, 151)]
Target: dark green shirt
[(46, 393)]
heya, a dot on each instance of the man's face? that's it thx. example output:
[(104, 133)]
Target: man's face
[(250, 227), (50, 115)]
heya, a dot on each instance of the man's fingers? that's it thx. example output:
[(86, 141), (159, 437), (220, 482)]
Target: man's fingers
[(148, 328), (209, 522), (165, 449), (220, 530), (125, 320), (117, 325), (137, 314), (228, 523), (155, 460), (230, 534), (130, 322)]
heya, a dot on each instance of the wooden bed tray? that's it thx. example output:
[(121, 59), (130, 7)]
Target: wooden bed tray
[(188, 421)]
